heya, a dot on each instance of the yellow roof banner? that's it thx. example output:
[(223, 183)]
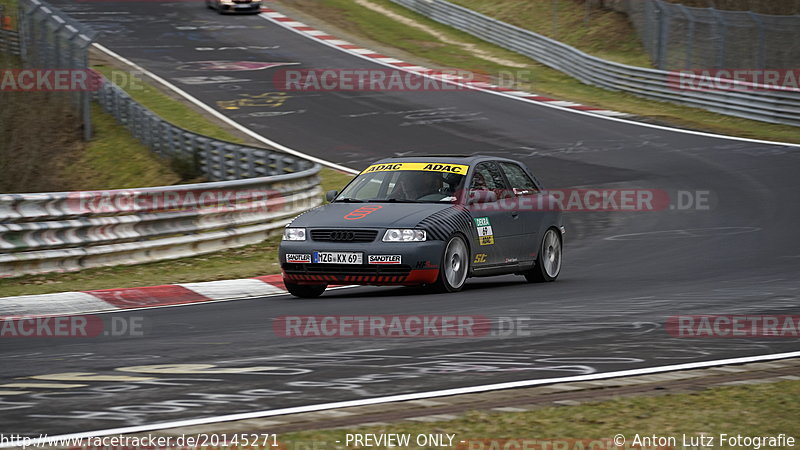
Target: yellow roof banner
[(459, 169)]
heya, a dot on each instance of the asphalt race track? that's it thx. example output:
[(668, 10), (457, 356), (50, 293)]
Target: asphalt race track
[(625, 273)]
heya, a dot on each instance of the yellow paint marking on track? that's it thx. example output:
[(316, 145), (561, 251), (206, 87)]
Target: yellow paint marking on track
[(43, 385), (88, 376), (195, 369)]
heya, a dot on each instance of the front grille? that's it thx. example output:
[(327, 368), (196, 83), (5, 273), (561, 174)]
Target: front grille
[(341, 235), (346, 269)]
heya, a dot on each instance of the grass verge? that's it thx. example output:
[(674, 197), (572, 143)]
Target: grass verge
[(429, 50), (169, 109), (598, 31), (9, 9), (55, 158), (114, 159), (751, 410)]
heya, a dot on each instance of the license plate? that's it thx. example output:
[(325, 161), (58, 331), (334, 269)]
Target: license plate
[(337, 258)]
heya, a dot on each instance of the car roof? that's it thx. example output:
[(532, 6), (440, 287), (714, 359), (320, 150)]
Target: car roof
[(444, 159)]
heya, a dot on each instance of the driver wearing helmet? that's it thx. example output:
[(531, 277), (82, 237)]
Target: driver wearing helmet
[(415, 185)]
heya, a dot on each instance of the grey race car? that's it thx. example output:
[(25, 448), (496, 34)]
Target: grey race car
[(235, 6), (426, 221)]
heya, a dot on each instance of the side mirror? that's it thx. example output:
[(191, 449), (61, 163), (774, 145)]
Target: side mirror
[(481, 196), (330, 195)]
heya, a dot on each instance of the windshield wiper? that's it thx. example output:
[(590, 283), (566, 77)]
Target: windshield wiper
[(349, 200), (398, 200)]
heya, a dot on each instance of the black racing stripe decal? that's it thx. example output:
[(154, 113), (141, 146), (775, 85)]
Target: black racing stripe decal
[(441, 225)]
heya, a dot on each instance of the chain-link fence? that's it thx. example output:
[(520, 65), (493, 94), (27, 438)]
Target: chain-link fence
[(766, 102), (50, 39), (681, 37)]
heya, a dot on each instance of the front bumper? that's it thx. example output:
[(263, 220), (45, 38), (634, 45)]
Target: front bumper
[(419, 263)]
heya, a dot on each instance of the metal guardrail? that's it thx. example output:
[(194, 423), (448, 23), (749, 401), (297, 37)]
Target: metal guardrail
[(69, 231), (743, 100), (9, 36), (9, 41), (253, 192)]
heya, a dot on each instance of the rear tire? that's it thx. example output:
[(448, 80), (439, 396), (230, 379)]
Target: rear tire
[(305, 290), (454, 266), (548, 261)]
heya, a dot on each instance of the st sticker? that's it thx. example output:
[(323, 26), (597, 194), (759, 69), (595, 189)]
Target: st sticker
[(385, 259), (298, 258)]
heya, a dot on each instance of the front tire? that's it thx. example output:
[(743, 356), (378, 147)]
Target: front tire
[(548, 261), (454, 266), (305, 290)]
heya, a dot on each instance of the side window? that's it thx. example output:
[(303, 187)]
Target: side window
[(487, 176), (521, 183)]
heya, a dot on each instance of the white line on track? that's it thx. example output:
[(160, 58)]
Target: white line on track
[(401, 398)]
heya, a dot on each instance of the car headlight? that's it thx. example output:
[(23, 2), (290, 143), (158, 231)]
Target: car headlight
[(404, 235), (294, 234)]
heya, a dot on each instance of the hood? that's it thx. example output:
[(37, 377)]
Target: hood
[(368, 215)]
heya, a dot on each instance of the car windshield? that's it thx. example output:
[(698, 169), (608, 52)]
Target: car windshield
[(406, 183)]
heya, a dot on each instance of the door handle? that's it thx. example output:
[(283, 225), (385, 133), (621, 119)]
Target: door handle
[(515, 214)]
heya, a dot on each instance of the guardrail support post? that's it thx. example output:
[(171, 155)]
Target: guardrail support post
[(690, 36), (722, 32), (86, 107), (761, 50)]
